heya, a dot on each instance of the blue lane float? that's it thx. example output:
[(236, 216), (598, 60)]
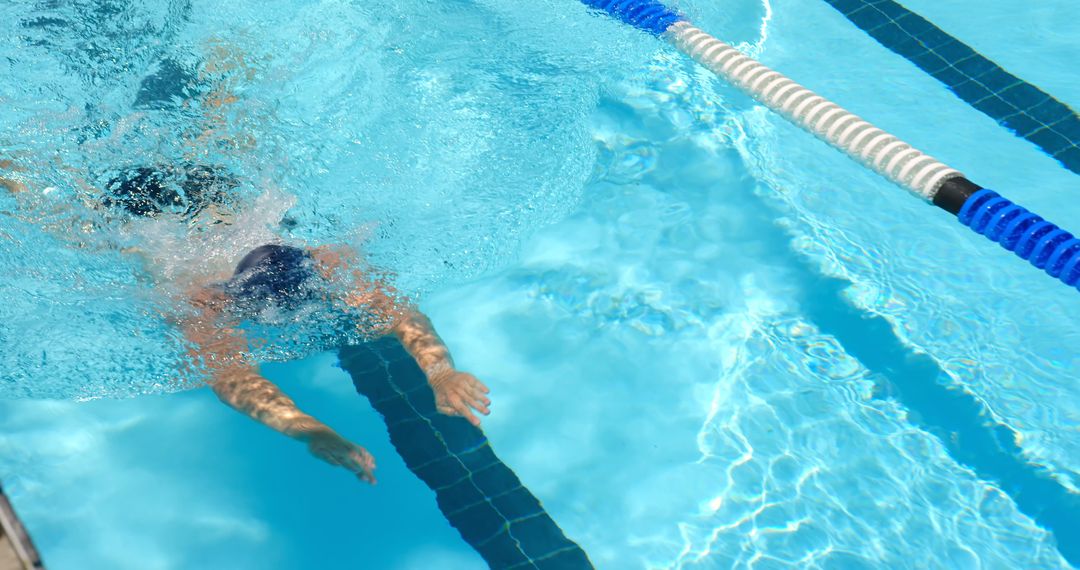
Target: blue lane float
[(647, 15), (1029, 236), (1045, 245)]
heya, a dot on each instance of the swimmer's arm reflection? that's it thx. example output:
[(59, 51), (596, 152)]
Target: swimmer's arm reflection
[(457, 393), (239, 385)]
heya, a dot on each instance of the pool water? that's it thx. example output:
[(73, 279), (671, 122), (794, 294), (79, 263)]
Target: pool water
[(712, 341)]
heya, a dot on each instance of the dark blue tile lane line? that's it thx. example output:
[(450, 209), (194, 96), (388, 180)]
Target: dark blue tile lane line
[(1014, 103), (481, 497), (958, 419), (934, 402)]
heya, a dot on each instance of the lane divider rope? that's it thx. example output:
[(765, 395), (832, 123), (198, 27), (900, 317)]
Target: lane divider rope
[(1045, 245)]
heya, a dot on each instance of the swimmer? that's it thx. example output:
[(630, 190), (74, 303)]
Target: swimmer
[(270, 276), (282, 278), (430, 407), (179, 213)]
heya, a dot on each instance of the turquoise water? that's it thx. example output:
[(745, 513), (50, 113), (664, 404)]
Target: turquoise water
[(712, 341)]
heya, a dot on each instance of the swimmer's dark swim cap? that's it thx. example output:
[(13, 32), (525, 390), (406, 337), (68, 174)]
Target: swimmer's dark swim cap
[(149, 191), (272, 275)]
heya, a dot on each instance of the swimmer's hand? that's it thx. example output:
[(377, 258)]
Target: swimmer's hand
[(327, 445), (459, 393)]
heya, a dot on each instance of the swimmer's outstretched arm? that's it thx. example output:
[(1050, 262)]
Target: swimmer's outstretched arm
[(457, 393), (241, 386)]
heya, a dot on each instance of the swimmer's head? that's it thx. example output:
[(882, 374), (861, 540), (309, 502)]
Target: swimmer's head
[(149, 192), (272, 276)]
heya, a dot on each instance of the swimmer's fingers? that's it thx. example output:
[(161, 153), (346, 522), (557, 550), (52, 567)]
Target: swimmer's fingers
[(464, 411), (478, 402), (481, 407), (362, 464), (480, 386), (449, 404), (338, 451), (460, 394), (358, 460), (474, 394), (455, 405), (478, 395)]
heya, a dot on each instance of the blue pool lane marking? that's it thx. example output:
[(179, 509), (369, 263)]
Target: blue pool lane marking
[(938, 405), (1018, 105), (481, 497)]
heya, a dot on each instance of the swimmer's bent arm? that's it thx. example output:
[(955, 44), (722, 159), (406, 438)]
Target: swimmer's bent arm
[(241, 386), (456, 393)]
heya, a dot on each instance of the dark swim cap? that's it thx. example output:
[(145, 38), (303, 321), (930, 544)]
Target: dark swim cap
[(272, 275), (149, 191)]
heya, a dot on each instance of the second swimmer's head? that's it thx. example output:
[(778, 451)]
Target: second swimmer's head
[(186, 191)]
